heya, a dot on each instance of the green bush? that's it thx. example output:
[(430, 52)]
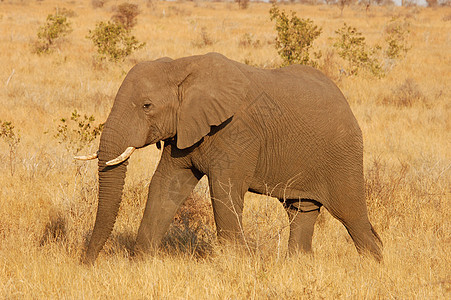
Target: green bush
[(8, 134), (77, 132), (113, 41), (351, 46), (56, 27), (295, 37)]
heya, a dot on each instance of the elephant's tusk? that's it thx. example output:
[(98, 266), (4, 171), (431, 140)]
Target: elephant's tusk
[(87, 157), (126, 154)]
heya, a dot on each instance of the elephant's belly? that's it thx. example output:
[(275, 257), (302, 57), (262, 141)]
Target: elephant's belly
[(293, 189)]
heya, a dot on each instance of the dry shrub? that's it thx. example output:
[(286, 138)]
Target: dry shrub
[(192, 232), (249, 40), (150, 4), (242, 4), (177, 11), (398, 193), (329, 66), (269, 64), (98, 3), (381, 182), (68, 12), (432, 3), (55, 230), (126, 14), (405, 95), (203, 40), (383, 185), (446, 18), (121, 243), (265, 226)]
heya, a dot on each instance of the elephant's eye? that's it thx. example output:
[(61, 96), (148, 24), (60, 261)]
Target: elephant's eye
[(147, 105)]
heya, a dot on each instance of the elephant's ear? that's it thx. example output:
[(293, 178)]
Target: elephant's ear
[(211, 91)]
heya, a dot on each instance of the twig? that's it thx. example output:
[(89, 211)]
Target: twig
[(9, 78)]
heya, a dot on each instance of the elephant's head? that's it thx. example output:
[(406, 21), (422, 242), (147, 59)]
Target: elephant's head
[(159, 100)]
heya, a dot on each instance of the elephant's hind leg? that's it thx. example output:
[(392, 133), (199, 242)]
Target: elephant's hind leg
[(302, 216), (365, 238), (356, 221)]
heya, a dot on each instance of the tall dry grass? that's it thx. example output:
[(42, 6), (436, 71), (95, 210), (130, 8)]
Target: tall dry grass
[(47, 207)]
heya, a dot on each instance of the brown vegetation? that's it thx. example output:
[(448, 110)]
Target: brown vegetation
[(48, 204)]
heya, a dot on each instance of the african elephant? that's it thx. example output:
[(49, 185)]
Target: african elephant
[(286, 131)]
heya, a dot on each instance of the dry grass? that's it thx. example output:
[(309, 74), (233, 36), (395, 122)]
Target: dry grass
[(47, 207)]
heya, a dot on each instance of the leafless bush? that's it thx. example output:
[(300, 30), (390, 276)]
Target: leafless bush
[(405, 95), (265, 227), (383, 185), (204, 39), (119, 243), (150, 4), (249, 40), (70, 13), (447, 18), (328, 65), (384, 2), (126, 14), (342, 3), (381, 182), (192, 231), (242, 4), (98, 3), (55, 230), (432, 3), (177, 11)]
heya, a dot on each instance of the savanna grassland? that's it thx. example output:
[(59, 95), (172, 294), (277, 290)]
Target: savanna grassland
[(48, 200)]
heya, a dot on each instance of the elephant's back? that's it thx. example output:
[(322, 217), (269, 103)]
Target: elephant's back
[(304, 94), (300, 100), (306, 86)]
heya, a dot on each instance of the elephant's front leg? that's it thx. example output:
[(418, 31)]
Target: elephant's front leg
[(167, 191)]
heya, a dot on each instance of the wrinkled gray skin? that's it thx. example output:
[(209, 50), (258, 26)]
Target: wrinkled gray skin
[(288, 132)]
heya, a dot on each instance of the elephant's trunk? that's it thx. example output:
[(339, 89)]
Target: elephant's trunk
[(111, 183)]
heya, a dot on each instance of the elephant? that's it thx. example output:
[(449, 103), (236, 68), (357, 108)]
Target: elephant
[(289, 131)]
